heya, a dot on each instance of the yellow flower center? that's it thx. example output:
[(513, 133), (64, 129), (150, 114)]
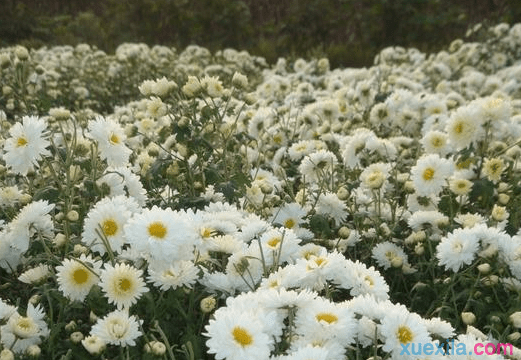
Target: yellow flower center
[(390, 255), (404, 334), (428, 174), (80, 276), (327, 317), (22, 141), (457, 247), (289, 223), (274, 242), (320, 260), (242, 336), (114, 139), (369, 281), (109, 227), (157, 229), (307, 255), (206, 232), (437, 142), (124, 285), (24, 327), (458, 128)]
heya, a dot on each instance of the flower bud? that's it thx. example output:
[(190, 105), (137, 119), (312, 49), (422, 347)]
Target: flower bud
[(208, 304), (515, 319), (73, 215), (76, 337), (468, 318), (6, 354), (484, 268), (33, 351)]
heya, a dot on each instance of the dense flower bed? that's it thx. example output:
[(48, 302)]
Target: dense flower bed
[(158, 204)]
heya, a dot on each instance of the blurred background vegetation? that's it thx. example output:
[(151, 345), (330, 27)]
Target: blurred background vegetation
[(348, 32)]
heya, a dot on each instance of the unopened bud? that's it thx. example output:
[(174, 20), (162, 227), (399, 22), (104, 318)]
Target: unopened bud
[(468, 318)]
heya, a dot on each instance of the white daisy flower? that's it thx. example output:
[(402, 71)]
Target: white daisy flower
[(375, 176), (325, 320), (318, 165), (117, 328), (77, 276), (122, 284), (330, 205), (389, 255), (20, 332), (27, 144), (107, 219), (237, 336), (278, 246), (430, 174), (160, 235), (290, 215), (180, 274), (436, 142), (110, 137), (400, 327), (35, 275), (361, 280), (6, 310), (464, 127), (457, 248)]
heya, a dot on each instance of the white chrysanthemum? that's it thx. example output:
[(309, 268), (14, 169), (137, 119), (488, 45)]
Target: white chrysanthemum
[(182, 273), (430, 174), (213, 86), (464, 127), (105, 221), (417, 202), (439, 327), (300, 149), (159, 235), (318, 165), (110, 137), (123, 181), (237, 336), (6, 310), (400, 327), (436, 142), (457, 248), (329, 204), (361, 280), (33, 217), (493, 168), (35, 275), (20, 332), (375, 176), (278, 246), (290, 215), (511, 253), (93, 344), (389, 255), (422, 219), (122, 284), (117, 328), (77, 276), (10, 195), (27, 144), (325, 320)]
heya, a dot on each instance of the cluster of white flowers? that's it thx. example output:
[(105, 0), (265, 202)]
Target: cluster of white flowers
[(278, 192)]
